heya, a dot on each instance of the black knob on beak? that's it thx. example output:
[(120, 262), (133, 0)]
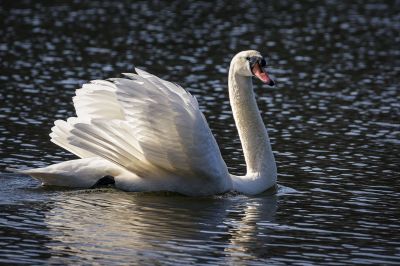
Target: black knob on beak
[(271, 83)]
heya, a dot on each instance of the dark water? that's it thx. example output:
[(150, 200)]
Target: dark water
[(333, 119)]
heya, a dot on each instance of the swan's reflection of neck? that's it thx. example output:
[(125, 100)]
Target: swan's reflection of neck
[(250, 234)]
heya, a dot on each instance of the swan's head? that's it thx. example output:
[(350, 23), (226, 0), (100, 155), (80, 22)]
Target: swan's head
[(251, 63)]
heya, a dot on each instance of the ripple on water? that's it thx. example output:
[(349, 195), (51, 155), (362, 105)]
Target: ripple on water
[(332, 119)]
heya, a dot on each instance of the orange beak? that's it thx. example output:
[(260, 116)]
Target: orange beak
[(262, 74)]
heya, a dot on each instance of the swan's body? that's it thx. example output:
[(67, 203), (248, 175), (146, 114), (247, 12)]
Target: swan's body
[(150, 135)]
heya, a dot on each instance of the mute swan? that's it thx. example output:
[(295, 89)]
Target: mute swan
[(149, 134)]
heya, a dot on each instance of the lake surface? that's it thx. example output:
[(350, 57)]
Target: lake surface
[(333, 119)]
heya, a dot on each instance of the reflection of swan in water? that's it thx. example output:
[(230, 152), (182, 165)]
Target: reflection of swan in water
[(150, 135), (115, 226), (251, 235)]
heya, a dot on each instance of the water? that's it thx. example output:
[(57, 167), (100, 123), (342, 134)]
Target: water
[(333, 120)]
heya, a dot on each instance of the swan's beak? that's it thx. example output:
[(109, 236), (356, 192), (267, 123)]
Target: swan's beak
[(262, 74)]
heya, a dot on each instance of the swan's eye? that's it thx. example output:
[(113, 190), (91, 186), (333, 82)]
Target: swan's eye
[(252, 61)]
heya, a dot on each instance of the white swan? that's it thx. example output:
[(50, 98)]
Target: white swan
[(149, 135)]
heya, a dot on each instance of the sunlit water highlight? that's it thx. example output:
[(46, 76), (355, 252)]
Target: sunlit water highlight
[(333, 119)]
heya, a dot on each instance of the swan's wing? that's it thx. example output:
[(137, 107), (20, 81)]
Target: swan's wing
[(96, 100), (145, 124)]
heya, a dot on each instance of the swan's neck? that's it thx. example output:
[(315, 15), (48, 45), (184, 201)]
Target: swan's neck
[(253, 135)]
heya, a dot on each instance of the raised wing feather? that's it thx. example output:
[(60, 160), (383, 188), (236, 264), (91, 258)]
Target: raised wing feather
[(145, 124)]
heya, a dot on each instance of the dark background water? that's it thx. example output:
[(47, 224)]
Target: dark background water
[(333, 119)]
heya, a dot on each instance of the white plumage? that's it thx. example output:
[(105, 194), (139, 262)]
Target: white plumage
[(150, 135)]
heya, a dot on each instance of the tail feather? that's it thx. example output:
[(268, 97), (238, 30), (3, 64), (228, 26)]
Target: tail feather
[(82, 173)]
